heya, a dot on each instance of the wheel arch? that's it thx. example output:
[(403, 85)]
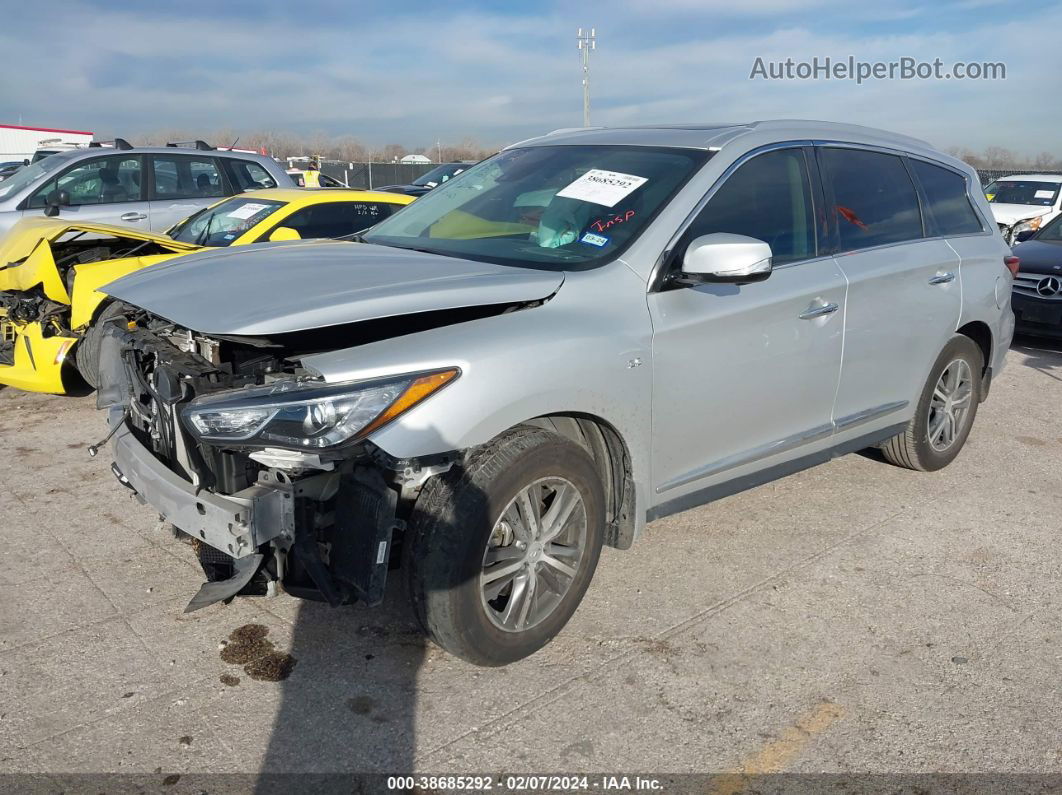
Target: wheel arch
[(981, 334), (612, 456)]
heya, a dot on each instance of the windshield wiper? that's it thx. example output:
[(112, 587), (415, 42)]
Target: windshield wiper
[(205, 234)]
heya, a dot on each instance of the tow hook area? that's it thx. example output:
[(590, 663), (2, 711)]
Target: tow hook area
[(122, 478)]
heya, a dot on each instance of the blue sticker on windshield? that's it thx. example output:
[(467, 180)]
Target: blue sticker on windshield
[(594, 240)]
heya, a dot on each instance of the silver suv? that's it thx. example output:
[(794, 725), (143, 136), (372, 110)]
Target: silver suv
[(588, 331), (141, 187)]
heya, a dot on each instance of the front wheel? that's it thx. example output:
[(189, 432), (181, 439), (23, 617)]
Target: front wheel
[(945, 411), (87, 353), (502, 548)]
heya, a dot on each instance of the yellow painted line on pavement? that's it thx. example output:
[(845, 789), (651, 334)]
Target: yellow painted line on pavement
[(774, 757)]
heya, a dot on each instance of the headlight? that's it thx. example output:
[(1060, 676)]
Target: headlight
[(309, 416), (1029, 224)]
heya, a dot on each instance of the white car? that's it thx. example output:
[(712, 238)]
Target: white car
[(1024, 202)]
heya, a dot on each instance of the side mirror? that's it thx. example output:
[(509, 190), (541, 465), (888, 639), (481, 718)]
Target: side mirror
[(1024, 235), (55, 201), (284, 233), (726, 258)]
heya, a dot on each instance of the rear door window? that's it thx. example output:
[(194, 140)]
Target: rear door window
[(336, 219), (873, 199), (248, 175), (949, 211), (187, 177)]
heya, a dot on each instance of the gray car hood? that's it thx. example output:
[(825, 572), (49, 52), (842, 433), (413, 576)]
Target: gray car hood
[(277, 288)]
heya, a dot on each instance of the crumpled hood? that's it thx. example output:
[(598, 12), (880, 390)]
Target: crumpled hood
[(276, 288), (1012, 213), (24, 236)]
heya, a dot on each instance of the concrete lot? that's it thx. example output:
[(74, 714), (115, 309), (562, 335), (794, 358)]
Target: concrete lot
[(855, 617)]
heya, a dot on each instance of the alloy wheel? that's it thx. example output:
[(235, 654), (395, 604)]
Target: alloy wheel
[(950, 405), (533, 554)]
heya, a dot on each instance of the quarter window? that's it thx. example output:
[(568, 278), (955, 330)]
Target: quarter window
[(874, 200), (949, 206), (767, 198), (336, 219), (108, 180), (248, 175), (184, 177)]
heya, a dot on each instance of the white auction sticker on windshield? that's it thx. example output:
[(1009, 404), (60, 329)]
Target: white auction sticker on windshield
[(247, 210), (602, 187), (1045, 194)]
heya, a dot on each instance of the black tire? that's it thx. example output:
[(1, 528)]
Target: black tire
[(912, 448), (87, 353), (453, 522)]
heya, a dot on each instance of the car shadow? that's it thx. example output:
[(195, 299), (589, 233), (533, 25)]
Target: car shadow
[(1042, 355), (348, 709)]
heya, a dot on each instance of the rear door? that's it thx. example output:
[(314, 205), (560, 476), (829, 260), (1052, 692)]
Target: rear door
[(904, 295), (182, 184), (744, 375), (107, 189)]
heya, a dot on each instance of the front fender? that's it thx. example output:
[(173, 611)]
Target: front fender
[(586, 351), (90, 277)]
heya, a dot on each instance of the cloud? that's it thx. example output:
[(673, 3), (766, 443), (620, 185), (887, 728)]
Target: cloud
[(445, 71)]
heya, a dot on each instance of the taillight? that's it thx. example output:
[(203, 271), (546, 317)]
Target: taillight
[(1012, 264)]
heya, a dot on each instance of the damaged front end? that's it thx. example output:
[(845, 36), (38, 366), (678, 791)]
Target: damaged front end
[(263, 465), (39, 264)]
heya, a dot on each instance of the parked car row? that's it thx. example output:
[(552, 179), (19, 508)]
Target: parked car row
[(588, 331), (1022, 203), (51, 304)]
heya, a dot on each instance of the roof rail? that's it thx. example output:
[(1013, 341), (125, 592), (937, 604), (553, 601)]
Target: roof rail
[(196, 144), (117, 143)]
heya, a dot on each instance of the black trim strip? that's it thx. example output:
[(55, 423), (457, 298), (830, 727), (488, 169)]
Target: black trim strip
[(746, 482)]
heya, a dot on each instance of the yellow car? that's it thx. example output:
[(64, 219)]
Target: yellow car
[(51, 270)]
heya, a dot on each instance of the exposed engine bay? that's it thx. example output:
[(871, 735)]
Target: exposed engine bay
[(73, 248), (322, 523)]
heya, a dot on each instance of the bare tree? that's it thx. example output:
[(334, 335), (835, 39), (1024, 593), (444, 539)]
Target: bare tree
[(1045, 161)]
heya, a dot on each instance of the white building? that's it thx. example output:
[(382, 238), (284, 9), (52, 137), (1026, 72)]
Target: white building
[(419, 159), (19, 143)]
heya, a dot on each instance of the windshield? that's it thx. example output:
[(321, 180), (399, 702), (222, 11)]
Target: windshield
[(1038, 194), (558, 207), (221, 224), (439, 175), (28, 175)]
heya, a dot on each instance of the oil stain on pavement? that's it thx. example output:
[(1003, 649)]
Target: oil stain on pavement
[(249, 647)]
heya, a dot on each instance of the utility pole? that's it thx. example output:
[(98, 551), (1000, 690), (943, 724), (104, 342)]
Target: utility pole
[(586, 43), (438, 149)]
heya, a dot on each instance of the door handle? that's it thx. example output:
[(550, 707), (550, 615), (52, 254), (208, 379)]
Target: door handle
[(818, 311), (133, 216), (942, 278)]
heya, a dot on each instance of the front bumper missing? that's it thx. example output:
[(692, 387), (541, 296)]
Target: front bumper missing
[(236, 525)]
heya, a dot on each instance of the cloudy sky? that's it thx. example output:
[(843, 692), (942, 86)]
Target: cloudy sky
[(412, 72)]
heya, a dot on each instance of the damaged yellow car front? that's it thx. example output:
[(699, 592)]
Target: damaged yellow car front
[(39, 258)]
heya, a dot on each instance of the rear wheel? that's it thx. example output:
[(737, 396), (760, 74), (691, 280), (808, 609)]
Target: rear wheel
[(502, 549), (946, 410)]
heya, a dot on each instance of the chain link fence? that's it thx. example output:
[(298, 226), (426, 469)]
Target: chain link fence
[(373, 175), (988, 175)]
